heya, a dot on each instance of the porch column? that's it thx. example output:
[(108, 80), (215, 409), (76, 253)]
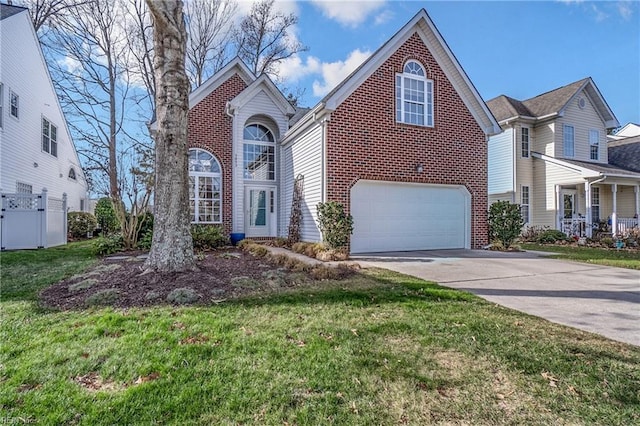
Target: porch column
[(636, 189), (588, 218), (558, 208), (614, 215)]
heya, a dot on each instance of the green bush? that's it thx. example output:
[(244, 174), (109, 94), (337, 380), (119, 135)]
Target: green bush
[(335, 224), (106, 216), (208, 237), (505, 222), (551, 236), (183, 296), (144, 242), (79, 224), (145, 225), (107, 245)]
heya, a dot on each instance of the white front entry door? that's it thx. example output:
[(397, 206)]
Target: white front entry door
[(259, 212)]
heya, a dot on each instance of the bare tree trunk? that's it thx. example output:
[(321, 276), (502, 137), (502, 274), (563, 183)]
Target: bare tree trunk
[(172, 247)]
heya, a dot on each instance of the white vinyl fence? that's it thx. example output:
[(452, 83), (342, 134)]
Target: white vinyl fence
[(32, 221)]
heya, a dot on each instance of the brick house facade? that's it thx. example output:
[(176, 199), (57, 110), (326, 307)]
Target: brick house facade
[(354, 147)]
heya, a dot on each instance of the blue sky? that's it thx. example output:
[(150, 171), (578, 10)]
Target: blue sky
[(520, 49)]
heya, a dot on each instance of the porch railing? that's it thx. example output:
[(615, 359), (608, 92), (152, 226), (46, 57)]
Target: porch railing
[(578, 226)]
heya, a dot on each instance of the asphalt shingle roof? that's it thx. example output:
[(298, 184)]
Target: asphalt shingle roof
[(625, 153), (7, 10)]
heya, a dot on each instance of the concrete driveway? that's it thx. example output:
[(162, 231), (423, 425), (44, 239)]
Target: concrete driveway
[(598, 299)]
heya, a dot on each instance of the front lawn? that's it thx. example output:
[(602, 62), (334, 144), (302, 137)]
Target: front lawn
[(376, 348), (629, 259)]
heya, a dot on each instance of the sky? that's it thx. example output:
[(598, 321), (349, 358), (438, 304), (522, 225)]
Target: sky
[(520, 49)]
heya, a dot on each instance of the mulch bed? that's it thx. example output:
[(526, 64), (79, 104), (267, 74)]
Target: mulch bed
[(223, 274)]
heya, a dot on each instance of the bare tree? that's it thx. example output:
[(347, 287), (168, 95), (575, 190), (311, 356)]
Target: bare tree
[(172, 247), (263, 39), (42, 11), (209, 25)]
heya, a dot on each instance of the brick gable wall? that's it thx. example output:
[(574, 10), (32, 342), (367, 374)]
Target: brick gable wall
[(210, 128), (365, 142)]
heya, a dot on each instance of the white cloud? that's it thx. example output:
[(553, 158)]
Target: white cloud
[(71, 65), (625, 10), (334, 72), (294, 69), (600, 15), (349, 13), (602, 11)]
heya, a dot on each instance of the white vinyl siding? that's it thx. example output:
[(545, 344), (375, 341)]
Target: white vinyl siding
[(303, 158), (583, 120), (500, 163), (568, 141), (543, 191), (594, 145), (23, 159), (1, 103)]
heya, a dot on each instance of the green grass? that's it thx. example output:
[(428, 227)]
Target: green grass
[(608, 257), (378, 348)]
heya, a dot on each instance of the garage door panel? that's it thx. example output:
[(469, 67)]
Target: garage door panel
[(395, 216)]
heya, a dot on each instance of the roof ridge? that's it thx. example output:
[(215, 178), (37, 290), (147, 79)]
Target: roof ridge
[(557, 89)]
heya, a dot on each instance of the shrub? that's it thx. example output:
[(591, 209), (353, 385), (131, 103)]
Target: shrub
[(207, 237), (183, 296), (106, 216), (505, 222), (107, 245), (144, 243), (336, 225), (607, 242), (551, 236), (145, 225), (532, 233), (79, 224)]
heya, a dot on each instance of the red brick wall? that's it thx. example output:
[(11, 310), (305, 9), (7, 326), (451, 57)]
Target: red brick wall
[(365, 142), (210, 128)]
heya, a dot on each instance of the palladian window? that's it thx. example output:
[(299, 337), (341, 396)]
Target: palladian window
[(258, 153), (205, 187), (414, 96)]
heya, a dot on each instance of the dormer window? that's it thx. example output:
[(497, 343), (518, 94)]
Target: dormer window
[(414, 96), (72, 174)]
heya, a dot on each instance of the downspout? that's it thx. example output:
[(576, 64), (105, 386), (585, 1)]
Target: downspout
[(588, 202), (235, 228)]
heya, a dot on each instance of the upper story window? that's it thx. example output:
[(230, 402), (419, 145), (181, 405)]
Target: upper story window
[(258, 153), (72, 174), (524, 140), (49, 137), (14, 101), (414, 96), (568, 140), (594, 144), (205, 187)]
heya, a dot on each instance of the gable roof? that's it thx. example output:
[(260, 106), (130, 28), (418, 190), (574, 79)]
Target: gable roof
[(7, 10), (422, 24), (270, 89), (236, 65), (625, 153), (552, 103)]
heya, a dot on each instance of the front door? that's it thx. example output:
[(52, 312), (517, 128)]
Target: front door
[(569, 205), (259, 212)]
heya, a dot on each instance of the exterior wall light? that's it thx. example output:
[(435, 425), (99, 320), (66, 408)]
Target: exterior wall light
[(419, 168)]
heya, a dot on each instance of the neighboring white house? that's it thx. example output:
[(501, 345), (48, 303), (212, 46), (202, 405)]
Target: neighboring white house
[(552, 159), (629, 130), (36, 149)]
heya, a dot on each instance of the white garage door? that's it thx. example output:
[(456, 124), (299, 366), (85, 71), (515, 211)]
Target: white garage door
[(390, 216)]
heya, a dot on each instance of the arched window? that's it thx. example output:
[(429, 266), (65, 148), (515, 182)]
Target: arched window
[(72, 174), (414, 95), (205, 187), (258, 153)]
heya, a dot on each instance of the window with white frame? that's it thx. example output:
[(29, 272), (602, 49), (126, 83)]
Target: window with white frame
[(568, 140), (258, 153), (594, 144), (49, 137), (524, 139), (595, 204), (414, 96), (205, 187), (14, 102), (524, 203), (23, 188)]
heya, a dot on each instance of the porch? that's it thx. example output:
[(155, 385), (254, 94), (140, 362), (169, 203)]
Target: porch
[(594, 207)]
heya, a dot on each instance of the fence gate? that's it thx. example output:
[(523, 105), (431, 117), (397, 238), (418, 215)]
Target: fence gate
[(23, 221)]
